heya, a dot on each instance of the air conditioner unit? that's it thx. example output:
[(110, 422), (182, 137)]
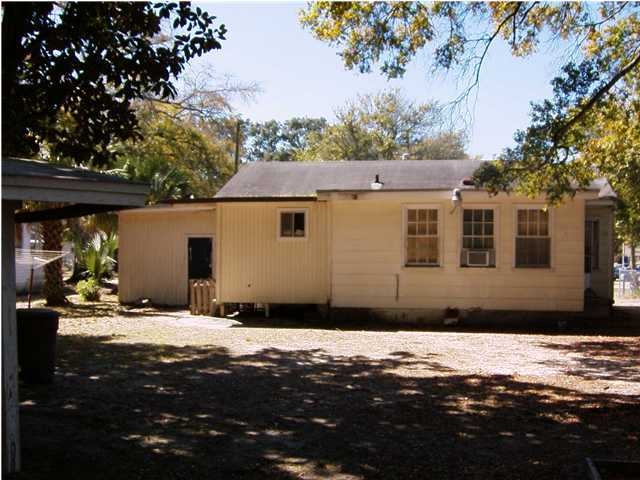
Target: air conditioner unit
[(478, 258)]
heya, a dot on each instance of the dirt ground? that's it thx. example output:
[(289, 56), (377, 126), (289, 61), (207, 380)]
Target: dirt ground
[(144, 393)]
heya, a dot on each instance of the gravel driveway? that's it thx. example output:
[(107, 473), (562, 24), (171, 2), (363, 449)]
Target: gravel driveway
[(159, 394)]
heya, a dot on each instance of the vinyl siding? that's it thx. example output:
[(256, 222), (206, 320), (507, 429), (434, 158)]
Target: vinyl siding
[(257, 267), (368, 253), (153, 254)]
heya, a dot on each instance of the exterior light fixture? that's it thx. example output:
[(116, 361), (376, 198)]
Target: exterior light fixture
[(456, 198), (377, 184)]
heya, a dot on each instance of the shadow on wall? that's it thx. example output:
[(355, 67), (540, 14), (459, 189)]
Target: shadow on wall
[(147, 411)]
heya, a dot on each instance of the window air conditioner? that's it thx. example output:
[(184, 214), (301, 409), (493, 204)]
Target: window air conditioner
[(478, 258)]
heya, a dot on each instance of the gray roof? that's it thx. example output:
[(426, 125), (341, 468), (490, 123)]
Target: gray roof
[(41, 181), (305, 179), (18, 167)]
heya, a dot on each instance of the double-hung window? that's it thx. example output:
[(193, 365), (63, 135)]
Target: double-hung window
[(478, 241), (422, 237), (292, 224), (533, 241)]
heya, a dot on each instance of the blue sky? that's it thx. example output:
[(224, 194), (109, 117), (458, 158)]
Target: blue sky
[(301, 76)]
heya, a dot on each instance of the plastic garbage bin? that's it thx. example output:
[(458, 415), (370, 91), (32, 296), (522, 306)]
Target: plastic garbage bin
[(37, 332)]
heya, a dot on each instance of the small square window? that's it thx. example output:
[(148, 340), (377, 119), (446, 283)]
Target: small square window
[(293, 224)]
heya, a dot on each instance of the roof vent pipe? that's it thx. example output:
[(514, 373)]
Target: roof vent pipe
[(377, 184)]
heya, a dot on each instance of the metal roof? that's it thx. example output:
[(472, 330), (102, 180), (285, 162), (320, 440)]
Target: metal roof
[(41, 181), (18, 167)]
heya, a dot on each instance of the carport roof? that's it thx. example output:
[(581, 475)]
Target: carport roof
[(83, 191)]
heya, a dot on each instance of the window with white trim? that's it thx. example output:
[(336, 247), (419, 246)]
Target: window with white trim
[(533, 241), (422, 241), (478, 241), (293, 224)]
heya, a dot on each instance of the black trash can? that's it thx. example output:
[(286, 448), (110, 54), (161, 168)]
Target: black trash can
[(37, 332)]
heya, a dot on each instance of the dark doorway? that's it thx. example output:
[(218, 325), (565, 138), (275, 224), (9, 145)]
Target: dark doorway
[(200, 257)]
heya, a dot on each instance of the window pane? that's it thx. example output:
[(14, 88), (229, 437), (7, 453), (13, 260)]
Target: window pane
[(422, 215), (411, 250), (298, 224), (422, 250), (488, 228), (466, 215), (433, 215), (422, 228), (477, 229), (411, 215), (412, 229), (488, 243), (544, 223), (466, 229), (477, 215), (533, 252), (433, 228), (433, 250), (466, 242), (488, 215), (286, 224)]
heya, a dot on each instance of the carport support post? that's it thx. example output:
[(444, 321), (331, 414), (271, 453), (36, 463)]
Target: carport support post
[(10, 424)]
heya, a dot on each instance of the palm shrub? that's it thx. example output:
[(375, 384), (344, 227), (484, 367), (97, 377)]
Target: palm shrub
[(97, 256)]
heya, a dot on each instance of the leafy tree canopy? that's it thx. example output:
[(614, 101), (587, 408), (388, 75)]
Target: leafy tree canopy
[(280, 141), (178, 158), (385, 126), (86, 63)]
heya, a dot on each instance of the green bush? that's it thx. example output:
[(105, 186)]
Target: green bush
[(97, 255), (89, 290)]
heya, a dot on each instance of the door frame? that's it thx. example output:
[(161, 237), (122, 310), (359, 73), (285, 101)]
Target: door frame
[(213, 252)]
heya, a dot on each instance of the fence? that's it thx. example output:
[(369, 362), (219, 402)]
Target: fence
[(202, 296)]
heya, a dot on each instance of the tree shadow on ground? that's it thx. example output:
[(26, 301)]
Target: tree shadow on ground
[(120, 410), (600, 360)]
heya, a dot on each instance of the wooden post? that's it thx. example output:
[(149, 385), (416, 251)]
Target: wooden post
[(266, 310), (10, 404), (237, 152)]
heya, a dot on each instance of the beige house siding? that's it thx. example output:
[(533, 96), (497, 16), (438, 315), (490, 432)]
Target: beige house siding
[(257, 267), (367, 258), (602, 277), (153, 253)]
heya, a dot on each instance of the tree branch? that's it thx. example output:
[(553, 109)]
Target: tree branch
[(598, 94)]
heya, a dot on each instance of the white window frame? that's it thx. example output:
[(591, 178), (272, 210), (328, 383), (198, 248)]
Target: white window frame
[(280, 211), (550, 229), (496, 232), (405, 235)]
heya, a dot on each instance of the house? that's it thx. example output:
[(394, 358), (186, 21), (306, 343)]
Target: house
[(403, 239)]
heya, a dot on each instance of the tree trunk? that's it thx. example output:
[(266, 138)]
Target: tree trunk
[(632, 260), (53, 284)]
